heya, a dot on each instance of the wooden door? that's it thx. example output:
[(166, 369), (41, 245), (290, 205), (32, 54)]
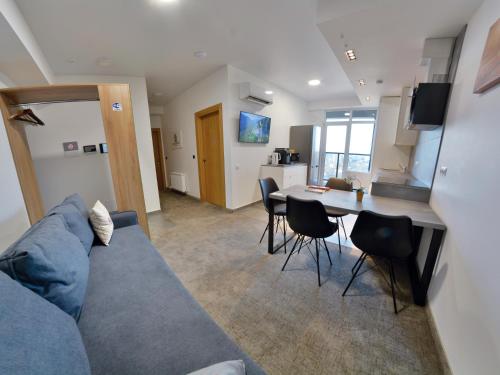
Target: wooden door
[(210, 146), (158, 153)]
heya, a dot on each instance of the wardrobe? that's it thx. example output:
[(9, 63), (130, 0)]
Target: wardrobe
[(118, 122)]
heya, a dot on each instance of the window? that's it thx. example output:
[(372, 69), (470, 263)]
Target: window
[(349, 139)]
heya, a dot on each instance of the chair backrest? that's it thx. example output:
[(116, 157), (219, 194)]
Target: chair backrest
[(339, 184), (383, 235), (307, 217), (267, 186)]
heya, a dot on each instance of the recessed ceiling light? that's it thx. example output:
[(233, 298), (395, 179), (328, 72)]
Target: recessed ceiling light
[(362, 82), (71, 60), (268, 92), (351, 56), (380, 81), (314, 82), (159, 93), (367, 98), (200, 54), (104, 61), (164, 1), (346, 114)]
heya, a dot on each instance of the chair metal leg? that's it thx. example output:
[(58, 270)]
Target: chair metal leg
[(392, 277), (278, 224), (338, 235), (355, 273), (301, 244), (291, 252), (317, 261), (284, 234), (263, 234), (343, 227), (328, 252), (357, 262)]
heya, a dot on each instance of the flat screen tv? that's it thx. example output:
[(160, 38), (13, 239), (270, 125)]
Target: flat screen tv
[(254, 128)]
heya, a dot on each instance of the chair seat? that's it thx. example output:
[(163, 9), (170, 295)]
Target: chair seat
[(335, 227), (332, 212), (280, 209)]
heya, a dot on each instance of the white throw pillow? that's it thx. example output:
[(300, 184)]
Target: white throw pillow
[(223, 368), (101, 222)]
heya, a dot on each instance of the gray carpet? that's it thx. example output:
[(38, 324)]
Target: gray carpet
[(282, 319)]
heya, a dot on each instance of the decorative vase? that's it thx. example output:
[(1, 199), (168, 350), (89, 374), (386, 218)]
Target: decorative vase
[(359, 195)]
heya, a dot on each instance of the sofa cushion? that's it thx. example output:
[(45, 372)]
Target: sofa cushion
[(52, 262), (139, 319), (77, 201), (37, 338), (76, 223)]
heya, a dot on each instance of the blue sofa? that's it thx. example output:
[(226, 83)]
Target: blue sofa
[(137, 318)]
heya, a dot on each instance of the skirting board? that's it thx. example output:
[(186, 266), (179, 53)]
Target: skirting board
[(437, 341)]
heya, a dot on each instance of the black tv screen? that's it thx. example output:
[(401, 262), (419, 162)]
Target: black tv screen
[(254, 128)]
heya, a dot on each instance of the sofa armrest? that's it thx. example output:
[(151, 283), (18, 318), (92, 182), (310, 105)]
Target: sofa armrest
[(123, 218)]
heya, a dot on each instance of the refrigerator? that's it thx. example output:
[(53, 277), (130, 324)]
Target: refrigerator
[(306, 140)]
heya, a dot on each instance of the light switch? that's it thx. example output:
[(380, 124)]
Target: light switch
[(443, 170)]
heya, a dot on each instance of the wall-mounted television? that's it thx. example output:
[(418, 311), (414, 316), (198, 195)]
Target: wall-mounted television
[(254, 128)]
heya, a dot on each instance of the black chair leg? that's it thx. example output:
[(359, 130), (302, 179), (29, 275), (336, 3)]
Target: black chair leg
[(284, 234), (343, 227), (328, 252), (301, 244), (362, 260), (338, 235), (392, 276), (278, 224), (291, 252), (263, 234), (317, 261), (357, 262)]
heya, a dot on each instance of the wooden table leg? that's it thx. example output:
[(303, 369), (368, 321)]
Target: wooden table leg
[(420, 283)]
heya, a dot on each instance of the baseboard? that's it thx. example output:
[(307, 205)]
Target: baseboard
[(437, 341)]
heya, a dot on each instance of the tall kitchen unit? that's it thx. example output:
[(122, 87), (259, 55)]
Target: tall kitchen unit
[(306, 140)]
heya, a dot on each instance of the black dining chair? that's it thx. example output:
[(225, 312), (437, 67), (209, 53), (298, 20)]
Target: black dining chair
[(337, 214), (382, 236), (268, 186), (308, 218)]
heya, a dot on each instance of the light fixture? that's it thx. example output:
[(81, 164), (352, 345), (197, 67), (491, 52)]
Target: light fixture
[(362, 82), (346, 113), (379, 81), (164, 1), (367, 98), (314, 82), (71, 60), (200, 54), (159, 93), (351, 56), (268, 92)]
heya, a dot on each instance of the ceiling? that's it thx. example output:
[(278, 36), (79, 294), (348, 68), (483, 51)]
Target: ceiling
[(276, 40), (388, 37), (16, 64)]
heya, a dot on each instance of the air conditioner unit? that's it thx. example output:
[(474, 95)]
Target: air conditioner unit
[(255, 94)]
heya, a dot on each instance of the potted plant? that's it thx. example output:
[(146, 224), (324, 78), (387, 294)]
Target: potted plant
[(360, 190)]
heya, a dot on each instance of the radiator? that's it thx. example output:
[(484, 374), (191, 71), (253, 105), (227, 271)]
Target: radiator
[(178, 181)]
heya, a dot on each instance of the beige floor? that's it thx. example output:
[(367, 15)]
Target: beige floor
[(282, 319)]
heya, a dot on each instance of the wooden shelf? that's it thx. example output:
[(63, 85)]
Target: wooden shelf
[(51, 93)]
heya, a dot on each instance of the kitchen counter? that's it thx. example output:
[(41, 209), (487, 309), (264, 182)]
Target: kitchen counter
[(395, 184), (284, 165)]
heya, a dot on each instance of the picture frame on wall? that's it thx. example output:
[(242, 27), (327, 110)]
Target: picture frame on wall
[(176, 138), (488, 75)]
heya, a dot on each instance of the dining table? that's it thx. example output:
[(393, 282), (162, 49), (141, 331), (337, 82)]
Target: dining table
[(428, 229)]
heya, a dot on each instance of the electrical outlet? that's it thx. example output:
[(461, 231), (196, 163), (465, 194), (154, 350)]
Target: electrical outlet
[(443, 170)]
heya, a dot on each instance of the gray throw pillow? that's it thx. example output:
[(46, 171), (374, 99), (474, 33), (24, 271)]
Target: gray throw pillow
[(223, 368), (52, 262), (37, 338), (76, 223)]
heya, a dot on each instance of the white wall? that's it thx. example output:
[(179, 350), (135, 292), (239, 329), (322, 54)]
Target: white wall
[(385, 153), (246, 159), (13, 216), (156, 121), (465, 294), (142, 122), (60, 174), (179, 115)]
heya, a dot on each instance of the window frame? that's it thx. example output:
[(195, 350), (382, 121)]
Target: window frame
[(348, 124)]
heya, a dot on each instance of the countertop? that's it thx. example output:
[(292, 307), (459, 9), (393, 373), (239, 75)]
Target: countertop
[(393, 177), (284, 165)]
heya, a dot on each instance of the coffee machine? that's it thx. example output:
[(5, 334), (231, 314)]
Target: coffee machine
[(285, 156)]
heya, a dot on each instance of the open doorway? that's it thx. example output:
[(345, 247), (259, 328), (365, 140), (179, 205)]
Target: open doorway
[(159, 158)]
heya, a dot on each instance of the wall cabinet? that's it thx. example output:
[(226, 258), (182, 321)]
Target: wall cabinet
[(405, 136), (286, 175)]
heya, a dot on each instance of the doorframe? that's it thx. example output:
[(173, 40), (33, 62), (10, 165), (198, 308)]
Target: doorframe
[(162, 156), (198, 116)]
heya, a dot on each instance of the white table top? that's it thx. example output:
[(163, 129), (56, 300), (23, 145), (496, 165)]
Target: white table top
[(421, 213)]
